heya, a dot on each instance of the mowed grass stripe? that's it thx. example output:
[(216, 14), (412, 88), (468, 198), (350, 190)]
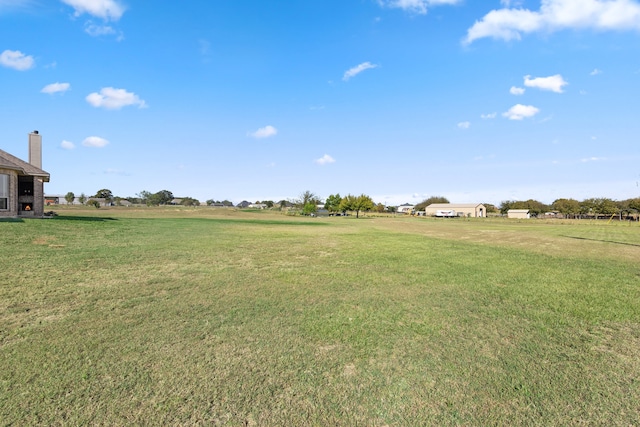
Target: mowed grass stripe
[(231, 322)]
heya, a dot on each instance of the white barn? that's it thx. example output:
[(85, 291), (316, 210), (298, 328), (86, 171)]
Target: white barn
[(473, 210)]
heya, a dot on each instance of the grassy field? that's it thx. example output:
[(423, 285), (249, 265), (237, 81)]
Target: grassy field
[(223, 317)]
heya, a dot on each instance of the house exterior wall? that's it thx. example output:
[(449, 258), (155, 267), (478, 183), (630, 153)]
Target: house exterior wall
[(467, 210), (518, 213), (12, 204)]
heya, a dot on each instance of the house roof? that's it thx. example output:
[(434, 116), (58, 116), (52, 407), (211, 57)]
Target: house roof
[(453, 205), (9, 161)]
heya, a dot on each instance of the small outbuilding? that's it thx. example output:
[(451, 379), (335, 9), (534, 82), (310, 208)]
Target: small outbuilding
[(473, 210), (518, 213)]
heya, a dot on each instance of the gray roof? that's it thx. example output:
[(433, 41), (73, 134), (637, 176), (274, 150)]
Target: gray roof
[(9, 161)]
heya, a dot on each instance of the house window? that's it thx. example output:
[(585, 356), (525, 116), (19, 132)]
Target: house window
[(4, 191)]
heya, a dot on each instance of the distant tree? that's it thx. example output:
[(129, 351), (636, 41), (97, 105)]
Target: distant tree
[(309, 208), (491, 208), (431, 200), (162, 197), (269, 203), (94, 203), (227, 203), (105, 194), (82, 198), (305, 198), (598, 206), (332, 204), (535, 207), (380, 208), (190, 201), (566, 206), (210, 202), (70, 197), (357, 204)]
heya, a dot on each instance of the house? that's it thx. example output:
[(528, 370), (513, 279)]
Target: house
[(518, 213), (405, 209), (473, 210), (243, 204), (257, 206), (22, 183)]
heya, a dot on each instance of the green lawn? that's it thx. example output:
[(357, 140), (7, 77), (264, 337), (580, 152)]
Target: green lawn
[(222, 317)]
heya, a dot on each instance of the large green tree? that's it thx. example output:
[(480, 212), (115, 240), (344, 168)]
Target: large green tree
[(70, 197), (332, 204), (357, 204), (105, 193), (566, 206)]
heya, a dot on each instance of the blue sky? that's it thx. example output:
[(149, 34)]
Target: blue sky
[(478, 101)]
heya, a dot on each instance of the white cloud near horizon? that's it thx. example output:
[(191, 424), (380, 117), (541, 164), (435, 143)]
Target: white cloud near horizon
[(265, 132), (517, 90), (519, 112), (95, 141), (109, 10), (416, 6), (16, 60), (324, 160), (354, 71), (56, 88), (114, 99), (67, 145), (553, 83), (555, 15)]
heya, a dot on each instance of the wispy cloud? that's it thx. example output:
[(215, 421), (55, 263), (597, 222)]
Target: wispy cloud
[(517, 90), (553, 83), (56, 88), (114, 99), (67, 145), (325, 160), (416, 6), (95, 141), (595, 72), (519, 112), (464, 125), (16, 60), (265, 132), (488, 116), (109, 10), (592, 159), (354, 71), (556, 15)]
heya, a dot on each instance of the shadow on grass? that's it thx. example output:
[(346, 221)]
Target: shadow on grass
[(11, 220), (83, 218), (604, 241)]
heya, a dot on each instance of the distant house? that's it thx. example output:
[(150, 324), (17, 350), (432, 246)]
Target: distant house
[(22, 183), (243, 204), (473, 210), (518, 213), (257, 206), (405, 209)]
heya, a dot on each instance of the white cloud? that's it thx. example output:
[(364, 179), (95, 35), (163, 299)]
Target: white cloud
[(488, 116), (552, 83), (592, 159), (264, 132), (464, 125), (416, 6), (555, 15), (352, 72), (95, 141), (517, 90), (56, 87), (325, 160), (595, 72), (519, 112), (16, 60), (105, 9), (67, 145), (95, 30), (114, 99)]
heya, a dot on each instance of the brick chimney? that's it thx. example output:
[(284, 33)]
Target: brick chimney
[(35, 149)]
